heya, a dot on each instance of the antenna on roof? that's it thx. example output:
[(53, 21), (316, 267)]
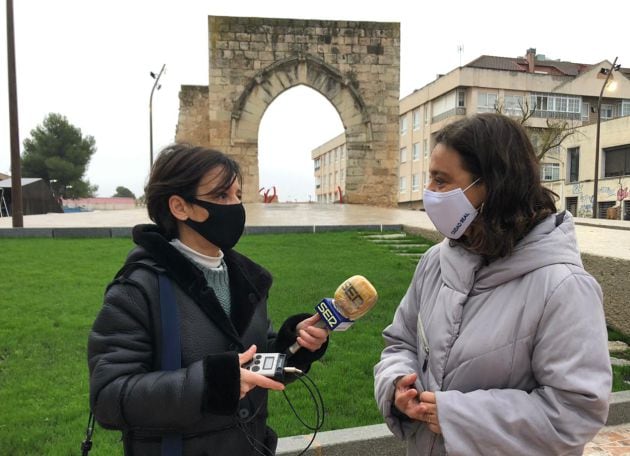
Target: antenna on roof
[(460, 50)]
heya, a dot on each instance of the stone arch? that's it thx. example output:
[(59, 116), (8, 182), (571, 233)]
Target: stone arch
[(312, 72), (354, 65)]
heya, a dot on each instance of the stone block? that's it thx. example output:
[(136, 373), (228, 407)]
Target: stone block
[(25, 232)]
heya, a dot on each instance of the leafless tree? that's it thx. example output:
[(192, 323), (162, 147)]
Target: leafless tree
[(544, 138)]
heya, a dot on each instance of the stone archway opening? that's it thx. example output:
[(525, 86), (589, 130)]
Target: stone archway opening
[(355, 65), (295, 123)]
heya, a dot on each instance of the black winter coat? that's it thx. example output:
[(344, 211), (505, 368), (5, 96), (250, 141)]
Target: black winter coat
[(128, 391)]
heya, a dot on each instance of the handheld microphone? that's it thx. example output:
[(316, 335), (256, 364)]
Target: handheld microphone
[(353, 299)]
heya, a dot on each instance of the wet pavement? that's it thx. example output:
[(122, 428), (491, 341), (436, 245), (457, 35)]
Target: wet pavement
[(611, 441), (608, 238)]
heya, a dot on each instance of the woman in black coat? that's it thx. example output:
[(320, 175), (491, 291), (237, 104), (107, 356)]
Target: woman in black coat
[(208, 404)]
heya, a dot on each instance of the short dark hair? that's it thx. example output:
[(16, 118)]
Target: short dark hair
[(178, 170), (497, 150)]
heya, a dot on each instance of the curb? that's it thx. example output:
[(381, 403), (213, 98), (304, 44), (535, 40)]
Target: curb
[(125, 232), (378, 439), (601, 225)]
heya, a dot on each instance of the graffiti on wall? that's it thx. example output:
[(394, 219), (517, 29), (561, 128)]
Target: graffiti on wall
[(585, 202)]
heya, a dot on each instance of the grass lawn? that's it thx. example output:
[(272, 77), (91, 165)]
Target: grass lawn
[(52, 289)]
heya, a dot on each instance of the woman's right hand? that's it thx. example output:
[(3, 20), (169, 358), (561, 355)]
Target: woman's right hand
[(250, 380), (406, 397)]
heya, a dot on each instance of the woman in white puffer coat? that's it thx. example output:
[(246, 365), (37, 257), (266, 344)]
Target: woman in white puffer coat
[(499, 346)]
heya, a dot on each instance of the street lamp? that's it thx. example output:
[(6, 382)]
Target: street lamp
[(155, 84), (608, 73)]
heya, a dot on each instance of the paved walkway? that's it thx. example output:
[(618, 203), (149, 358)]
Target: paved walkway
[(611, 441), (609, 238)]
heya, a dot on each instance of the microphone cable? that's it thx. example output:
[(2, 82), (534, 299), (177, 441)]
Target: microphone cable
[(318, 401)]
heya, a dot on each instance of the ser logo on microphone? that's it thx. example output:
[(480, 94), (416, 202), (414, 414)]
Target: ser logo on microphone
[(325, 312), (352, 294)]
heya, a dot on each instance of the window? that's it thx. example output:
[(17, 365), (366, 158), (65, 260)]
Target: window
[(317, 163), (552, 105), (603, 206), (607, 111), (403, 154), (625, 108), (617, 161), (540, 102), (425, 179), (425, 114), (415, 151), (549, 171), (444, 106), (573, 158), (586, 108), (461, 98), (486, 102), (402, 184), (425, 148), (415, 183), (318, 181), (416, 119), (513, 105), (571, 204), (403, 125), (573, 104)]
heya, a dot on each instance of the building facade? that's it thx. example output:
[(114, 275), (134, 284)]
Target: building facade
[(548, 92), (329, 161), (571, 174)]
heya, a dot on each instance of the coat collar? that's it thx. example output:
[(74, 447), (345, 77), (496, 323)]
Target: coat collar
[(249, 282)]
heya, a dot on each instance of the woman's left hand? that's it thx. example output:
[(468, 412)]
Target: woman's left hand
[(428, 411), (309, 336)]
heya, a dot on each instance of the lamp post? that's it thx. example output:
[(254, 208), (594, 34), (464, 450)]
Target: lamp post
[(608, 73), (155, 84), (17, 212)]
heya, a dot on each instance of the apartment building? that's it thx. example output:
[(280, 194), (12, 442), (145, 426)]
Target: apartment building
[(329, 162), (548, 89)]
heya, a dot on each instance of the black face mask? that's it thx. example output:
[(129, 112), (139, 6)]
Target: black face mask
[(224, 225)]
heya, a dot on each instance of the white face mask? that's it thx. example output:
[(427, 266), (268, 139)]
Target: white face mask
[(450, 212)]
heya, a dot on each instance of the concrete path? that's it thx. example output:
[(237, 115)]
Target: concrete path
[(608, 238), (611, 441)]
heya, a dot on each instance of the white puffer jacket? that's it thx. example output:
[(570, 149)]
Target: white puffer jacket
[(517, 349)]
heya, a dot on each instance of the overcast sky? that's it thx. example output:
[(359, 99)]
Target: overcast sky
[(90, 61)]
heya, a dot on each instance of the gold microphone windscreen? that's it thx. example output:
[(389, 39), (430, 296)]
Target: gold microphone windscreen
[(355, 297)]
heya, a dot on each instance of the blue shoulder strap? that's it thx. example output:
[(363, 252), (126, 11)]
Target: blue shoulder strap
[(171, 358)]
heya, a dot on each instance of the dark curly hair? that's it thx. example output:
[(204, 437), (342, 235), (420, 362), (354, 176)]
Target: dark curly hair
[(178, 170), (496, 149)]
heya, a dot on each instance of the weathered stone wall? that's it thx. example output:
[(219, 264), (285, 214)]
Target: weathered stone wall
[(355, 65), (192, 125), (613, 276)]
